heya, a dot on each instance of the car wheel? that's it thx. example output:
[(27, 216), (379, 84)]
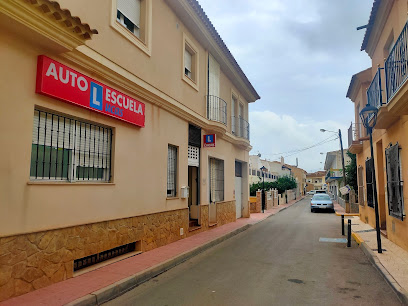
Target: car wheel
[(311, 210)]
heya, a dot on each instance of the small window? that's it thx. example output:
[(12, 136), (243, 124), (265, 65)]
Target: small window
[(172, 171), (394, 182), (128, 15), (67, 149), (133, 20), (190, 62)]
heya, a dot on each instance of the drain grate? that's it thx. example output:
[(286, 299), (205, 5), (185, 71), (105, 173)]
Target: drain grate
[(87, 261)]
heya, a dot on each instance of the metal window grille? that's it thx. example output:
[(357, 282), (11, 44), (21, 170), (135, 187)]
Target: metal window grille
[(238, 169), (370, 181), (68, 149), (216, 180), (91, 260), (258, 173), (193, 156), (253, 172), (172, 171), (394, 182), (360, 186)]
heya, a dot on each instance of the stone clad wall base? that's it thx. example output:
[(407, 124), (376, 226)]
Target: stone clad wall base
[(226, 212), (32, 261)]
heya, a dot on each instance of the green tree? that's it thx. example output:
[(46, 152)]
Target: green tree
[(282, 184), (351, 172)]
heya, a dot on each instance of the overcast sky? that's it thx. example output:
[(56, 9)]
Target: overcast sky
[(300, 56)]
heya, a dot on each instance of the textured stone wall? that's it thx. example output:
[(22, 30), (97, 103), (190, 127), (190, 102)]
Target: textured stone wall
[(204, 220), (33, 261), (226, 212)]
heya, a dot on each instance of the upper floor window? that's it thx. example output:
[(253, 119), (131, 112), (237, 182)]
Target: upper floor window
[(128, 14), (190, 62), (132, 19)]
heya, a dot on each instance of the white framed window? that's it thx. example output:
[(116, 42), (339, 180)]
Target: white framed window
[(172, 171), (68, 149), (216, 180), (190, 62), (133, 20), (128, 15)]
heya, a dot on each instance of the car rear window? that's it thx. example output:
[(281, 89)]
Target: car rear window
[(321, 197)]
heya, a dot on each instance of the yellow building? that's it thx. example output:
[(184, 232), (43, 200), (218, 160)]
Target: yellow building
[(124, 127), (384, 86), (316, 181), (300, 176)]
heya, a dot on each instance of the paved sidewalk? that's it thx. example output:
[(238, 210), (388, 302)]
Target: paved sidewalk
[(109, 281), (392, 263)]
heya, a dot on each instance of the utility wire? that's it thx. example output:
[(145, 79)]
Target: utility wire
[(305, 148)]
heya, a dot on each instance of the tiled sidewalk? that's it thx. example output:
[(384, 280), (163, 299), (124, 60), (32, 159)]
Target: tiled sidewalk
[(74, 288), (392, 262), (394, 259)]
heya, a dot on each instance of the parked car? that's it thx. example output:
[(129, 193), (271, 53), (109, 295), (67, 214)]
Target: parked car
[(321, 191), (321, 201), (311, 192)]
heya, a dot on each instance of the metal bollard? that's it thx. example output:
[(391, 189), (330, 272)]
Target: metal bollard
[(349, 234), (342, 225)]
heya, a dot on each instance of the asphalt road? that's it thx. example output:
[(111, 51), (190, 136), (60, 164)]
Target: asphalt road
[(279, 261)]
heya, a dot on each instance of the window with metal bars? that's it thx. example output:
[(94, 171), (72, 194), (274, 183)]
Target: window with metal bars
[(216, 180), (369, 164), (67, 149), (171, 171), (394, 182)]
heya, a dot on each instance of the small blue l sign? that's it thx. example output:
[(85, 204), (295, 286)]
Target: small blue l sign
[(209, 140), (96, 97)]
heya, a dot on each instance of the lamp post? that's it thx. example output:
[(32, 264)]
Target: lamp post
[(263, 169), (368, 117)]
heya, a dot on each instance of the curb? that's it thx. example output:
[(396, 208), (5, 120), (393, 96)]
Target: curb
[(120, 287), (357, 238), (347, 214), (401, 292)]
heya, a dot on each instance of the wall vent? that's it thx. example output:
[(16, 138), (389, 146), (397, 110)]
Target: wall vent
[(91, 260)]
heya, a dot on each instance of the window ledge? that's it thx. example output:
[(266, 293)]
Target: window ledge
[(172, 198), (68, 183), (131, 37), (190, 82)]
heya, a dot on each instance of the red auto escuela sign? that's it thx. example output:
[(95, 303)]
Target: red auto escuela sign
[(209, 141), (61, 82)]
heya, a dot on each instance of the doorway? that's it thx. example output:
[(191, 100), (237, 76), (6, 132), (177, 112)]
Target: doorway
[(193, 195), (380, 187)]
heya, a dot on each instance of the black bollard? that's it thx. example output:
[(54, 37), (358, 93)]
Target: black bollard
[(349, 234), (342, 225)]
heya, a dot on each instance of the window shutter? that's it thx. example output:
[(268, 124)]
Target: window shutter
[(214, 88), (131, 9), (171, 171), (233, 101), (187, 61), (212, 180)]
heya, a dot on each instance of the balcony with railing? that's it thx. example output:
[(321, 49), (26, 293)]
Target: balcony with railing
[(240, 127), (394, 95), (216, 109), (355, 143), (334, 174)]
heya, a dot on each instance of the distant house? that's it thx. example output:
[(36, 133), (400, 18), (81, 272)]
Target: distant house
[(334, 171), (316, 181)]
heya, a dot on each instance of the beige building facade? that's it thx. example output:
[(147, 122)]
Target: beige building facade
[(126, 128), (316, 181), (273, 170), (384, 86)]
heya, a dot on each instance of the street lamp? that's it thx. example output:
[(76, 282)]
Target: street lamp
[(342, 154), (263, 169), (368, 117)]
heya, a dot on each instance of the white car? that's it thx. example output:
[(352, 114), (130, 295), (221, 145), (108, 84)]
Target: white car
[(312, 192)]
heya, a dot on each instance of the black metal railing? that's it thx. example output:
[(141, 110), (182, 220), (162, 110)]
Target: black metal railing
[(68, 149), (396, 65), (240, 127), (216, 109), (374, 91)]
